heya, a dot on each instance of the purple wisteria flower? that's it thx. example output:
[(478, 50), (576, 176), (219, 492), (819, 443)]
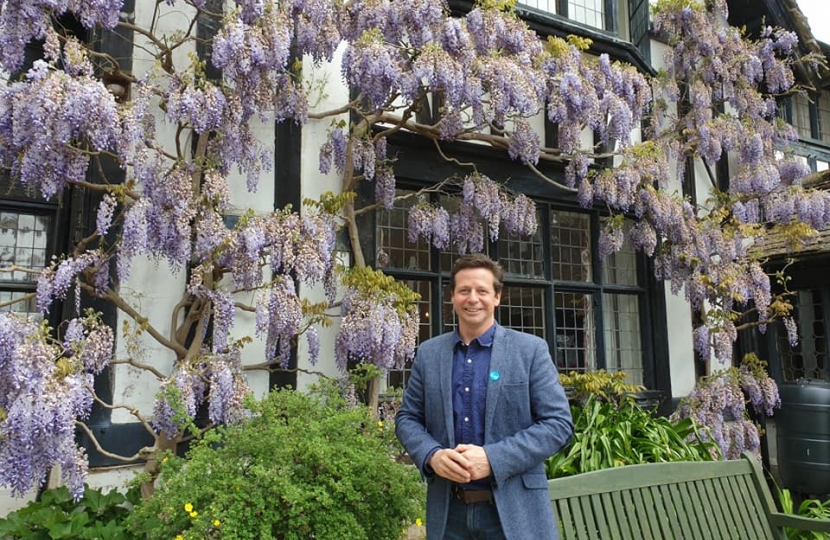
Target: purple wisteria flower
[(46, 386), (374, 331)]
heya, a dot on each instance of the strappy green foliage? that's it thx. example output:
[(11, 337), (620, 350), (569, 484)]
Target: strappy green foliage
[(608, 434)]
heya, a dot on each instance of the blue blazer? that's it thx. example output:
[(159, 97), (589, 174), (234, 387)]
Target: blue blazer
[(527, 419)]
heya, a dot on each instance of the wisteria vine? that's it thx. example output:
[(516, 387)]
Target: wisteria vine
[(495, 78)]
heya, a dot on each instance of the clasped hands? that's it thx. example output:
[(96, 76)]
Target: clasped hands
[(462, 464)]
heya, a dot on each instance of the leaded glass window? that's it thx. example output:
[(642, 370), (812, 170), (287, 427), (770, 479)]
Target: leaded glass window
[(23, 253), (807, 358), (556, 287)]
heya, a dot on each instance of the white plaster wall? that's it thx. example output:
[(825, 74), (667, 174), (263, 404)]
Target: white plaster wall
[(678, 310), (153, 288), (333, 93)]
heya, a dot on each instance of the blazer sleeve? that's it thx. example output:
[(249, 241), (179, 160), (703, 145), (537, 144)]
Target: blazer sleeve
[(411, 420), (551, 426)]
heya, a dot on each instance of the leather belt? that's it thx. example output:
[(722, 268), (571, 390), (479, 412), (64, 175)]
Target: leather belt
[(470, 496)]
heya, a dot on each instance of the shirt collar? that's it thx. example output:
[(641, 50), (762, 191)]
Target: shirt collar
[(484, 340)]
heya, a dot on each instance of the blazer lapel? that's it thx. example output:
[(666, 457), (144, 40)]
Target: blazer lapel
[(445, 376), (499, 363)]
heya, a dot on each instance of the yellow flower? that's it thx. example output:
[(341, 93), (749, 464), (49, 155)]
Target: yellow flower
[(216, 523), (380, 423), (188, 507), (165, 459), (179, 537), (194, 513), (418, 522)]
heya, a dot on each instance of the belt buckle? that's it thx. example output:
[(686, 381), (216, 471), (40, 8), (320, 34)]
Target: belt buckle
[(471, 496)]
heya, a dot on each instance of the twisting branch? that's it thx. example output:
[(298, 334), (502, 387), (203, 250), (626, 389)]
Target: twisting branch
[(453, 160), (164, 56), (334, 112), (550, 180), (144, 322), (138, 365), (118, 457)]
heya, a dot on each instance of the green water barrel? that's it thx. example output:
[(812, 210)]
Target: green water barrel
[(802, 425)]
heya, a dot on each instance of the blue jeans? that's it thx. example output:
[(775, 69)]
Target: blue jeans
[(478, 521)]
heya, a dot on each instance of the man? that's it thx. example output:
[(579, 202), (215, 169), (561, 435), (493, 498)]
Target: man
[(482, 411)]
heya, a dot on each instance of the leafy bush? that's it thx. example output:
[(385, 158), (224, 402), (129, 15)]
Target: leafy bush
[(811, 508), (608, 434), (57, 516), (304, 466)]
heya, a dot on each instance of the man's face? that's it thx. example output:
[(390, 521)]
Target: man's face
[(474, 298)]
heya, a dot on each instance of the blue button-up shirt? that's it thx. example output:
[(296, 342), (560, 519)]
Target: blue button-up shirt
[(470, 377)]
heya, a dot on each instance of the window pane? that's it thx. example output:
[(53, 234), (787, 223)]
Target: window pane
[(623, 346), (620, 268), (25, 306), (570, 246), (575, 344), (448, 311), (801, 116), (521, 255), (23, 242), (824, 116), (590, 12), (523, 308), (398, 379), (548, 6), (808, 358), (394, 248)]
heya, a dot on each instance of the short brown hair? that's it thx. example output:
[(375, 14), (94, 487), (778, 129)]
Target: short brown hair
[(478, 260)]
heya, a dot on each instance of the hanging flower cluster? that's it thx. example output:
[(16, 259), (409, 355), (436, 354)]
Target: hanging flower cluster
[(719, 403), (45, 385)]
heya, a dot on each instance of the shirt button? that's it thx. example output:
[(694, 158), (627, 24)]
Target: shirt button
[(469, 360), (466, 419), (467, 389)]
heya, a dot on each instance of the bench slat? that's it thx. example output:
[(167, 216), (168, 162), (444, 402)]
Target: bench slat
[(631, 515), (759, 518), (579, 518), (603, 518), (662, 517), (645, 509), (709, 527), (588, 516), (622, 517), (612, 513), (563, 512), (713, 495), (692, 507)]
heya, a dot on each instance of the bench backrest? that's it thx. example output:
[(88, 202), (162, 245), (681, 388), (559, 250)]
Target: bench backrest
[(666, 501)]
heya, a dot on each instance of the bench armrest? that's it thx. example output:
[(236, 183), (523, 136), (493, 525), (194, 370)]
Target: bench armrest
[(799, 522)]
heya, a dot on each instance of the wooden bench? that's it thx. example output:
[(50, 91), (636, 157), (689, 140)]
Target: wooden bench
[(673, 501)]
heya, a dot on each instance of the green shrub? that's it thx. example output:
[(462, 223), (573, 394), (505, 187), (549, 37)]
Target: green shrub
[(608, 434), (57, 516), (302, 467)]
